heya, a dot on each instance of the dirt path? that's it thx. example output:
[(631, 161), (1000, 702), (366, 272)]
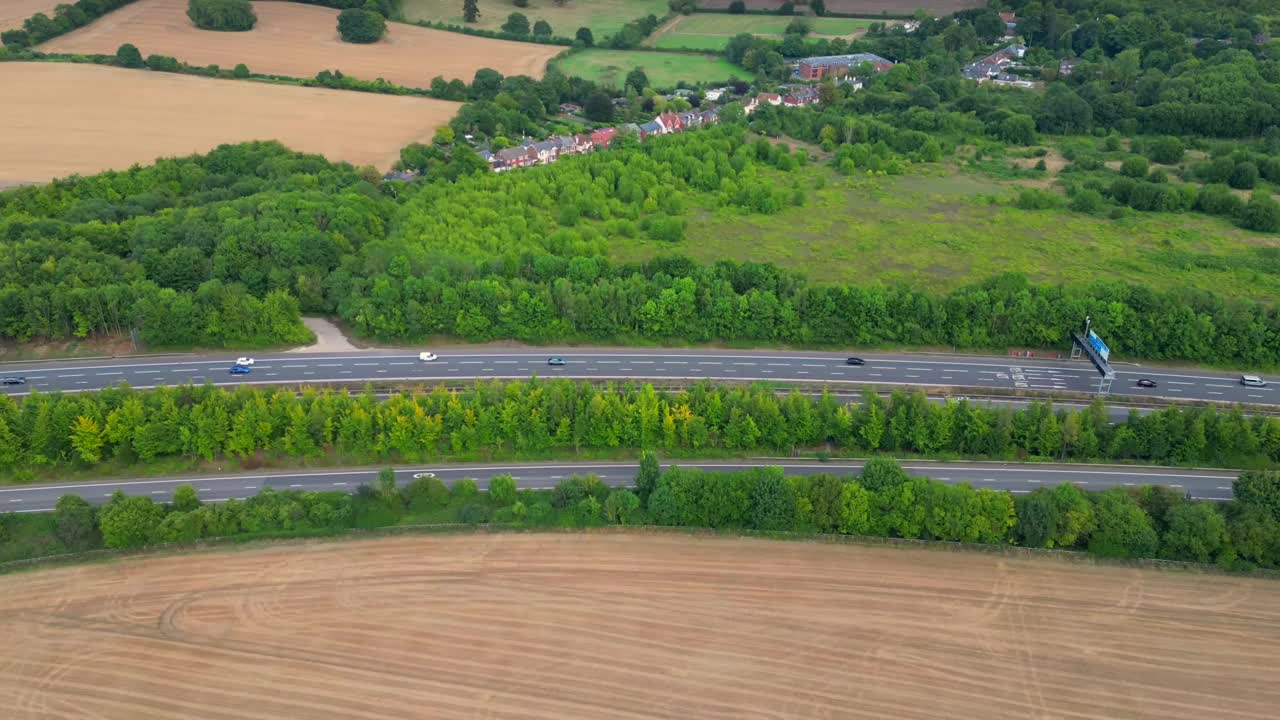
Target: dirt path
[(631, 626)]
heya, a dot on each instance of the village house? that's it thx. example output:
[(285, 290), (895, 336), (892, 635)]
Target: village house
[(801, 96), (546, 152), (570, 108), (714, 94), (993, 64), (670, 122), (601, 138), (1010, 23), (837, 66)]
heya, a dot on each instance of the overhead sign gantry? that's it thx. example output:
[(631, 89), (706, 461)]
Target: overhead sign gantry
[(1088, 343)]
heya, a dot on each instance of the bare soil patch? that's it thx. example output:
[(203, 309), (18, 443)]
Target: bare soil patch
[(865, 7), (14, 12), (64, 119), (631, 626), (300, 41)]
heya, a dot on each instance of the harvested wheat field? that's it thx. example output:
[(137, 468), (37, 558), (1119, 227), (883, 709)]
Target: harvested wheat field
[(300, 41), (631, 626), (14, 12), (63, 119)]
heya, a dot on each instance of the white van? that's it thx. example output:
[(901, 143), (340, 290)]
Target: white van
[(427, 356), (1252, 381)]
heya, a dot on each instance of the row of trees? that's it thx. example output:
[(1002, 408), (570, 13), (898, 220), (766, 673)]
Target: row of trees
[(1147, 522), (542, 418), (66, 17)]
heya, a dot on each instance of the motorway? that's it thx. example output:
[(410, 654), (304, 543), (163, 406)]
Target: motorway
[(960, 373), (1017, 478)]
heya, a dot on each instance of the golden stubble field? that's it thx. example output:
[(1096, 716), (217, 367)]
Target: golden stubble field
[(300, 41), (63, 119), (631, 626)]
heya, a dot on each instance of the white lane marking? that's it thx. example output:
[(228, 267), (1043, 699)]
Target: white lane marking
[(742, 363), (486, 369), (802, 372), (808, 365), (1176, 382), (157, 492), (206, 489), (913, 376), (1034, 481), (344, 372), (382, 370), (399, 363), (1257, 396), (1224, 487), (470, 362), (18, 500), (1130, 483), (1174, 390), (329, 365), (1020, 492), (643, 362), (716, 363), (1081, 482), (1173, 486), (308, 373), (145, 372), (956, 371), (272, 374), (294, 366), (506, 362), (988, 479), (1214, 393), (919, 369), (295, 486), (878, 367), (250, 487), (80, 375), (1213, 385), (366, 364), (82, 382), (608, 362), (339, 484), (778, 364), (675, 362), (873, 374)]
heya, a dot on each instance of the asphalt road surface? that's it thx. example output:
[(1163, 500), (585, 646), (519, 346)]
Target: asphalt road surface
[(1015, 477), (965, 373)]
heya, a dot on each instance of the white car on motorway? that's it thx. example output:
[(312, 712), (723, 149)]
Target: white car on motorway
[(421, 475), (1252, 381), (427, 356), (244, 362)]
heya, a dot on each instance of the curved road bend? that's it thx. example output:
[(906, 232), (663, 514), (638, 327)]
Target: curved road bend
[(1017, 478), (969, 372)]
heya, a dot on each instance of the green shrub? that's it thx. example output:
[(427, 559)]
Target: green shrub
[(127, 55), (222, 15), (1135, 166), (465, 489), (361, 26), (474, 513)]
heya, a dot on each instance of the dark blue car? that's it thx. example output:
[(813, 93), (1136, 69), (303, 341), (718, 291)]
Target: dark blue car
[(240, 370)]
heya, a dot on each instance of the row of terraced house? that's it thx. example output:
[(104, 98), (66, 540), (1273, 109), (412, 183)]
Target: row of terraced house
[(547, 151)]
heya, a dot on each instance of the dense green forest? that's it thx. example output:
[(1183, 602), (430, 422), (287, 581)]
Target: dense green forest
[(122, 427), (1146, 522)]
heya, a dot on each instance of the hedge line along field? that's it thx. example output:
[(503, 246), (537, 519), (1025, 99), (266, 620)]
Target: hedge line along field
[(864, 7), (13, 12), (301, 40), (610, 67), (63, 119), (631, 625), (604, 17), (708, 31)]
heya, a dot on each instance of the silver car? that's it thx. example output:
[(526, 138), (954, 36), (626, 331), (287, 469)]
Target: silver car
[(1252, 381)]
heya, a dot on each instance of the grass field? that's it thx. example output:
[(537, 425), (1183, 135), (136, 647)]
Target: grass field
[(300, 41), (604, 17), (664, 69), (934, 231), (63, 119), (713, 31), (865, 7), (13, 12), (638, 626)]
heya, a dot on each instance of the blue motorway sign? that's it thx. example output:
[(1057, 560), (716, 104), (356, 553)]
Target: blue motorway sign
[(1100, 347)]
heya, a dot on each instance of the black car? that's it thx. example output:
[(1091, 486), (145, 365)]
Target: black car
[(855, 361), (14, 381), (1146, 383)]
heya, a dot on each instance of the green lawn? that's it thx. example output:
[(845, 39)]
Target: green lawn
[(937, 231), (664, 69), (713, 31), (604, 17)]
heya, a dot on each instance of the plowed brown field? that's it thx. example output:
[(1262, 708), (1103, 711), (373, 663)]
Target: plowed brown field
[(13, 12), (300, 41), (631, 626), (62, 119)]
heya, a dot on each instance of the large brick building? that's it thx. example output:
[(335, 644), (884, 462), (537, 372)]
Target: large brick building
[(837, 66)]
